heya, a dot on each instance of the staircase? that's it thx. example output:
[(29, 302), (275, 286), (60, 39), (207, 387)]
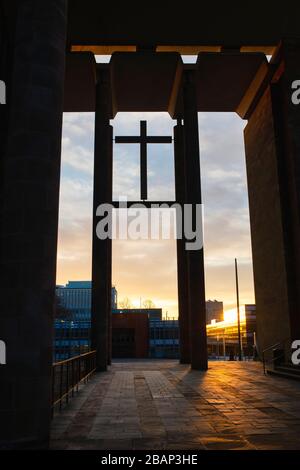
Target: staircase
[(276, 363), (287, 371)]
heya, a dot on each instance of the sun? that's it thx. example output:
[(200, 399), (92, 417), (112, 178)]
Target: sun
[(230, 316)]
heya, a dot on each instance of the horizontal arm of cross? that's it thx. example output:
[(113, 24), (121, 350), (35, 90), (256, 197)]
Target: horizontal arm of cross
[(159, 140), (127, 140), (149, 140)]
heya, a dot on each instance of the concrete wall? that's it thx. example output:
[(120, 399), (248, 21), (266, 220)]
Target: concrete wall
[(29, 219), (268, 242)]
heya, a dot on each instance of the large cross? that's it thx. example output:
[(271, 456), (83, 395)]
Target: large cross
[(143, 140)]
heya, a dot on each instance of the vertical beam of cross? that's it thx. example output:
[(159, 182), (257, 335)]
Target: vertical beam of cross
[(143, 161), (143, 140)]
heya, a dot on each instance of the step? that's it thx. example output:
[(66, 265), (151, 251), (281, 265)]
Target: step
[(288, 369), (284, 375)]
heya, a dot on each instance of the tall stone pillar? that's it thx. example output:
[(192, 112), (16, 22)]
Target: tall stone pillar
[(6, 64), (195, 273), (182, 254), (101, 262), (109, 286), (272, 146), (29, 221), (288, 137), (109, 264)]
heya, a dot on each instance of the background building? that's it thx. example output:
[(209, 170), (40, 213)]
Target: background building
[(251, 328), (114, 298), (164, 339), (154, 314), (214, 311), (76, 296), (71, 338), (141, 332), (132, 329), (222, 337), (130, 335), (72, 328)]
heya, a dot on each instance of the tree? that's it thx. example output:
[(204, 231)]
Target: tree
[(125, 304), (148, 304)]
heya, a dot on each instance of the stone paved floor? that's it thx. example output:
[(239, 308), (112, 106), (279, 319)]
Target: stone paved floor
[(153, 405)]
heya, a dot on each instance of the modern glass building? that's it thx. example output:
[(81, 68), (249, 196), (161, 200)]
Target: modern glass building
[(154, 314), (222, 337), (71, 338), (214, 311), (76, 296), (72, 333), (164, 339)]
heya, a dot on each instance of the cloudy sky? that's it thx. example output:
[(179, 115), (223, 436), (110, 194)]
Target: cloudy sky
[(147, 269)]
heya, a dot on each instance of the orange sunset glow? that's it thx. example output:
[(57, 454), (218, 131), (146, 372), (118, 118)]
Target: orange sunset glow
[(146, 269)]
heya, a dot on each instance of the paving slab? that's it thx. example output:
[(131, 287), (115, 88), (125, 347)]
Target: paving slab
[(161, 404)]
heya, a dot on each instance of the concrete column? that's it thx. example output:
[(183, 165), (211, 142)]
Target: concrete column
[(195, 257), (29, 216), (182, 254), (101, 262), (287, 121), (272, 146), (109, 275), (6, 64), (3, 108), (109, 286), (109, 264)]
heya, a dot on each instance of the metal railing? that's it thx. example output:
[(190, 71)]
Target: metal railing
[(67, 375), (277, 357)]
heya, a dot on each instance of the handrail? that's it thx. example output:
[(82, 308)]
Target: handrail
[(71, 373), (70, 359), (274, 345), (270, 348)]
